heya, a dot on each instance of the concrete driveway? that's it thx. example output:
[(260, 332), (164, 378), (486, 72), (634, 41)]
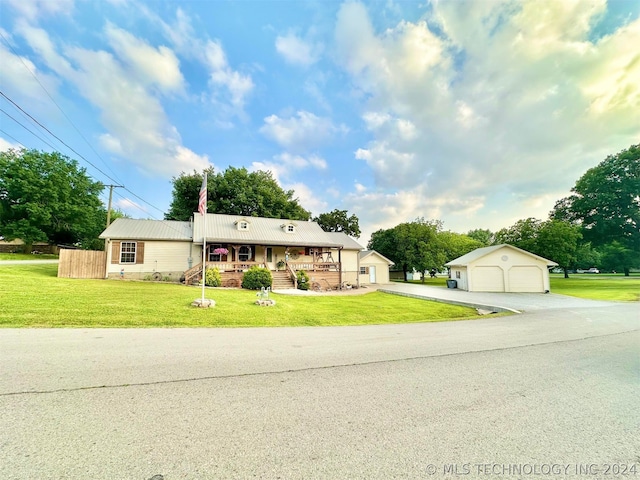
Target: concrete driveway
[(518, 302)]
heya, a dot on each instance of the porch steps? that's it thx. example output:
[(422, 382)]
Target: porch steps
[(281, 281)]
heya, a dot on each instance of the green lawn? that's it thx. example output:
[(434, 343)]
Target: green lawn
[(26, 256), (598, 287), (32, 296)]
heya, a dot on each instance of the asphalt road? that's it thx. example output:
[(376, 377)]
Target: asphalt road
[(548, 394)]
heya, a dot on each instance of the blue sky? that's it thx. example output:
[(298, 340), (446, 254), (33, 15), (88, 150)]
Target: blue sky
[(475, 113)]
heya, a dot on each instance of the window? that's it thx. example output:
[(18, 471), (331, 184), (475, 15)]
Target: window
[(457, 273), (243, 226), (364, 270), (128, 252), (290, 228), (244, 254), (214, 257)]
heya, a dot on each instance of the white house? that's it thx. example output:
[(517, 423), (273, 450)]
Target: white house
[(501, 268), (142, 248)]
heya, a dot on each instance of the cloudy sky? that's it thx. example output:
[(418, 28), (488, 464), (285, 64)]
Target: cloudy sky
[(477, 113)]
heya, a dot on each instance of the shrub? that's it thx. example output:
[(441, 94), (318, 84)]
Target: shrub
[(212, 277), (303, 280), (256, 277)]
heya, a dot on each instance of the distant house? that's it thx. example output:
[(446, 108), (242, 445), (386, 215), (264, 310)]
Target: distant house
[(501, 268), (18, 246), (142, 248)]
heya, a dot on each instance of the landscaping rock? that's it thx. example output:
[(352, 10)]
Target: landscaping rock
[(266, 303), (206, 303)]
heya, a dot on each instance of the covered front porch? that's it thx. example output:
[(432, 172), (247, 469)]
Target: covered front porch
[(233, 260)]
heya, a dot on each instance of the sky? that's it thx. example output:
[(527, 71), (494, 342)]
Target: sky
[(476, 113)]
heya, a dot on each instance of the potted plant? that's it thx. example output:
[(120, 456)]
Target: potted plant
[(280, 265)]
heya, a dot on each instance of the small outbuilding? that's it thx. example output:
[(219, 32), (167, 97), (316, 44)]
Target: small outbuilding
[(374, 267), (501, 268)]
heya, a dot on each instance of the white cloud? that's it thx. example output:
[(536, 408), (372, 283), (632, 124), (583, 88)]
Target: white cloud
[(296, 50), (286, 165), (33, 9), (502, 97), (137, 126), (302, 132), (130, 207), (224, 81), (7, 145), (152, 66)]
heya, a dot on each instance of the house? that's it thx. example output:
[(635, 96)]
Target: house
[(374, 267), (234, 243), (501, 268)]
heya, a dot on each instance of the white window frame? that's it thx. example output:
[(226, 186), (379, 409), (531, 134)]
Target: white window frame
[(128, 248), (240, 254), (243, 225), (212, 256)]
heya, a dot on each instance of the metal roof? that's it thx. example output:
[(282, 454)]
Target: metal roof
[(481, 252), (267, 231), (366, 253), (136, 229), (347, 242)]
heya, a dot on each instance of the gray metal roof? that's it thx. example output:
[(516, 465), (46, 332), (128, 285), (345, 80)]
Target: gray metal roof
[(263, 231), (366, 253), (135, 229), (481, 252), (347, 242)]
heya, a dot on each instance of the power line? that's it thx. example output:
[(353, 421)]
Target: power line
[(27, 129), (56, 104), (55, 136), (10, 136)]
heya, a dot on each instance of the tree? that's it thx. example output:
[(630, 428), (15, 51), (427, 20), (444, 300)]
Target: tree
[(457, 244), (523, 234), (337, 221), (47, 197), (484, 236), (558, 241), (411, 245), (235, 191), (606, 203)]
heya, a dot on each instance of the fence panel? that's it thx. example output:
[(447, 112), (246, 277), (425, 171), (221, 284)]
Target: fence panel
[(82, 264)]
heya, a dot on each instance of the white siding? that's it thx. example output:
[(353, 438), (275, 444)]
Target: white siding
[(508, 270), (159, 256)]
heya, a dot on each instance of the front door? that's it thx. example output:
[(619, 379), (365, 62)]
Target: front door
[(269, 259), (372, 274)]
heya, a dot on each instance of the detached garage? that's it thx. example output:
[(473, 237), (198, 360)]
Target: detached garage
[(501, 268)]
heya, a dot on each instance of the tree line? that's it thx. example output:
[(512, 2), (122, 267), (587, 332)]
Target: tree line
[(48, 197)]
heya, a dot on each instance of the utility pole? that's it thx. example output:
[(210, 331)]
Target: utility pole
[(111, 187)]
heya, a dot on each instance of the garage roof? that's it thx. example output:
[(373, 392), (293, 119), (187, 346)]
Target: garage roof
[(471, 257)]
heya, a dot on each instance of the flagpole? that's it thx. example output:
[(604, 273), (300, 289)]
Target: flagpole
[(204, 234)]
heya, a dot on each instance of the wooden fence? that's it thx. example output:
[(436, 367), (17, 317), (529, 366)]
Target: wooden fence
[(82, 264)]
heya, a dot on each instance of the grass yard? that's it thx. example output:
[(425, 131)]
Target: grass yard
[(598, 286), (32, 296)]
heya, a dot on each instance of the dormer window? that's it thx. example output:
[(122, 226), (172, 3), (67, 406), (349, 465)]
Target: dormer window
[(288, 227), (242, 225)]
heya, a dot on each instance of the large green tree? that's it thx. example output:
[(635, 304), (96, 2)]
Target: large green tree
[(46, 197), (235, 191), (559, 241), (339, 221), (483, 235), (411, 245), (606, 204), (523, 234)]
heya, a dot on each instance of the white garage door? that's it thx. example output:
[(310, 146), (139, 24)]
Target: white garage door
[(525, 279), (488, 279)]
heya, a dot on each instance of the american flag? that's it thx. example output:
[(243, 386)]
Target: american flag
[(202, 201)]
